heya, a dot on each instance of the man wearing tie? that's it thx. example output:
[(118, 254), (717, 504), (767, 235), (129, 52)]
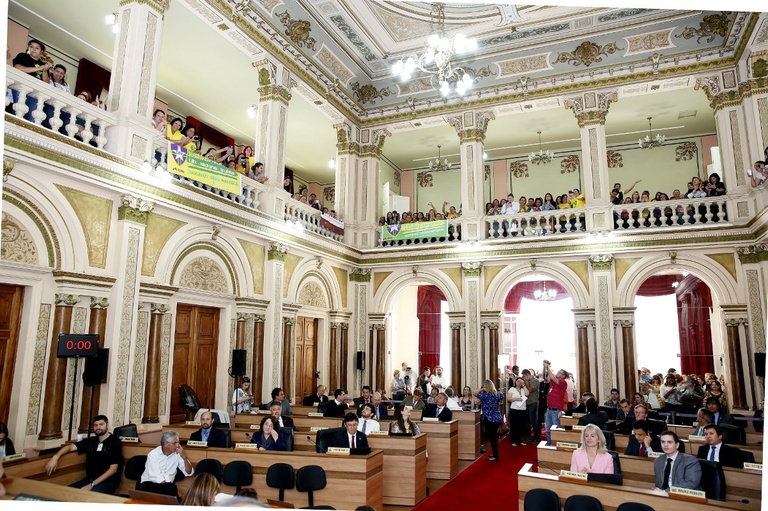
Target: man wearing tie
[(350, 437), (368, 422), (675, 468), (716, 450), (704, 417), (641, 442), (713, 405), (439, 409), (364, 399), (316, 397), (207, 433), (380, 409), (337, 407)]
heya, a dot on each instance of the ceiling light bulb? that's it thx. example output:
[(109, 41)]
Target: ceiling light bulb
[(115, 29), (445, 88), (433, 40), (110, 19), (146, 166), (485, 155), (251, 111), (331, 164)]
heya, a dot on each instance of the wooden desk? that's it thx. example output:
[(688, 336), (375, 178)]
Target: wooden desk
[(469, 434), (301, 422), (16, 485), (638, 472), (683, 431), (612, 496), (443, 448)]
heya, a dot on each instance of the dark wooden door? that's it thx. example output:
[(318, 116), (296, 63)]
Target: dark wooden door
[(306, 356), (194, 355), (11, 300)]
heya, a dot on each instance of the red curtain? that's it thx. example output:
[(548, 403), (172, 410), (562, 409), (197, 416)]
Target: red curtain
[(212, 135), (526, 289), (659, 285), (694, 302), (429, 314), (92, 78)]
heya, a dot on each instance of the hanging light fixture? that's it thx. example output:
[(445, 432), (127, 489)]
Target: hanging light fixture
[(542, 157), (437, 57), (438, 166), (649, 142), (544, 294)]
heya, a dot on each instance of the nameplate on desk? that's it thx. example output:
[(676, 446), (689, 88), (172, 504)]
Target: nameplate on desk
[(255, 426), (754, 467), (247, 445), (578, 427), (429, 419), (315, 414), (686, 494), (338, 451), (378, 433), (654, 454), (130, 439), (567, 445), (14, 457), (697, 437), (192, 423), (316, 403), (196, 443), (578, 415), (318, 428), (577, 476), (264, 412)]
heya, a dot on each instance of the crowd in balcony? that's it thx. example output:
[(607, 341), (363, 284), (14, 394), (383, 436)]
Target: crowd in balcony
[(431, 215), (758, 176)]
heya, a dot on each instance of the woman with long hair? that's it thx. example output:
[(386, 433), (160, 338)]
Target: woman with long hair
[(267, 437), (489, 404), (591, 457), (403, 423), (716, 390), (202, 491), (467, 401), (6, 445)]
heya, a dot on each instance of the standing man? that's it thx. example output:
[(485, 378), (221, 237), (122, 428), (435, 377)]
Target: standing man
[(556, 399), (317, 397), (103, 459), (675, 468), (716, 450), (423, 381), (162, 462), (279, 395), (438, 381), (532, 406), (242, 397), (439, 409), (409, 378), (207, 433)]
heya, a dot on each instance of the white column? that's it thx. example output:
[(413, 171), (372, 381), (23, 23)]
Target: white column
[(601, 285)]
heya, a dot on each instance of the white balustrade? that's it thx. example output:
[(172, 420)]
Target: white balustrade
[(670, 214)]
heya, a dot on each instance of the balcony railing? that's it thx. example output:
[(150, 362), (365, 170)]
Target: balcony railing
[(670, 213), (538, 223), (302, 216)]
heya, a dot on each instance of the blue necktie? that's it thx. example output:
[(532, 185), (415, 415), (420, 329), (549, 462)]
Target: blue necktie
[(712, 453), (205, 435)]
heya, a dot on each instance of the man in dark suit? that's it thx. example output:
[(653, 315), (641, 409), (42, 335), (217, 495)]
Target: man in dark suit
[(318, 396), (713, 405), (641, 442), (336, 407), (380, 409), (704, 417), (207, 433), (365, 399), (675, 468), (438, 409), (276, 410), (582, 408), (350, 437), (625, 426), (593, 416), (716, 450)]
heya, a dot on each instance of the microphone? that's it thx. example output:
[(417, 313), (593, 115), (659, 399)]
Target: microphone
[(557, 472), (318, 446), (742, 501)]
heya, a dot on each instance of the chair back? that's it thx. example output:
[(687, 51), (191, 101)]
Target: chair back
[(733, 435), (210, 466), (188, 399), (541, 499), (609, 411), (747, 456), (610, 440), (615, 478), (281, 476), (582, 503), (128, 430), (287, 435), (740, 423), (712, 479), (654, 414), (227, 437), (134, 468), (656, 426), (634, 506), (309, 479), (238, 474), (324, 437)]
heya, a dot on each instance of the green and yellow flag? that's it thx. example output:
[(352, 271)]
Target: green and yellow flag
[(193, 166)]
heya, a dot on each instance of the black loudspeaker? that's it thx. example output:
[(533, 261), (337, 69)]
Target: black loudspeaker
[(360, 361), (238, 362), (96, 368), (760, 364)]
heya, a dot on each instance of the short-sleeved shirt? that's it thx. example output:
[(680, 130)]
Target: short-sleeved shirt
[(556, 396), (100, 455), (25, 59), (489, 404), (533, 397)]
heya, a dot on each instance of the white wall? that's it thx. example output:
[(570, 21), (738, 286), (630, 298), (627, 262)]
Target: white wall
[(404, 334)]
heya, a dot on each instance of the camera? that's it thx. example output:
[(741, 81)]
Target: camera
[(407, 379)]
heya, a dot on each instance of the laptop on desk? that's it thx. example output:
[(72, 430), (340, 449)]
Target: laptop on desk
[(153, 498)]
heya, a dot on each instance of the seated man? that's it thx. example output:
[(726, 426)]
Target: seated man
[(279, 395), (415, 401), (716, 450), (625, 410), (453, 401), (103, 458), (276, 410), (365, 398), (317, 397), (675, 468), (593, 416), (337, 407), (351, 437), (582, 408), (614, 402), (379, 408), (642, 441), (368, 423), (207, 433), (704, 417), (641, 414), (439, 409), (721, 417), (162, 463)]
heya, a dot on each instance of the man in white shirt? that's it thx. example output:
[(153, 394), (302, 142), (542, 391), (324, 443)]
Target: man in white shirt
[(409, 377), (368, 422), (438, 381), (162, 462), (510, 207), (453, 401)]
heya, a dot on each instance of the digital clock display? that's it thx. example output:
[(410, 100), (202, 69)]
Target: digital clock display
[(72, 345)]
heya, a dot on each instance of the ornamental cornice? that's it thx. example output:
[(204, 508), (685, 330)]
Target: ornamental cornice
[(472, 269), (134, 209), (277, 251), (274, 93), (360, 275), (753, 254), (601, 262), (158, 5)]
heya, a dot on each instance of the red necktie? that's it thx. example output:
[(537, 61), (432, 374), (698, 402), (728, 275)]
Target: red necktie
[(642, 451), (353, 441)]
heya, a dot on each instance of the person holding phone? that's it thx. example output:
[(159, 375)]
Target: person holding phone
[(759, 175)]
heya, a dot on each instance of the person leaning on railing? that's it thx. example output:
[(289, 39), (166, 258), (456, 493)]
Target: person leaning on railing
[(758, 176)]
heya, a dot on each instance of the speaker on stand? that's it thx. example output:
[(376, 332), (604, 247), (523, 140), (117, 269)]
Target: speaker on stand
[(237, 369), (95, 373)]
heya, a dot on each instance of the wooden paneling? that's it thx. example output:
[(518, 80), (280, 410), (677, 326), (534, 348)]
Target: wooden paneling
[(11, 300), (306, 356)]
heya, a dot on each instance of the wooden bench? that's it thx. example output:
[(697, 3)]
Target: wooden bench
[(18, 485)]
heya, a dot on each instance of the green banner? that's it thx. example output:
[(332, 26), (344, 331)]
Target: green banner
[(416, 230), (195, 167)]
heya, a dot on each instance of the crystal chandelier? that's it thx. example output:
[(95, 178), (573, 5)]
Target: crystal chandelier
[(437, 166), (649, 142), (437, 57), (544, 294), (542, 157)]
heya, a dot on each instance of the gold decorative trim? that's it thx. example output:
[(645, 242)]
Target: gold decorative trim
[(42, 223), (297, 31), (211, 247), (711, 26), (586, 53)]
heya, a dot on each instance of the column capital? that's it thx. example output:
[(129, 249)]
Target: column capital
[(472, 268), (277, 251), (627, 324), (259, 318), (158, 308), (345, 326), (244, 316), (360, 275), (274, 93), (377, 143), (489, 325), (601, 262), (583, 324), (591, 107), (289, 321), (334, 325), (753, 253), (733, 321), (377, 326), (65, 300), (471, 126), (134, 209), (99, 303), (158, 5), (458, 325)]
